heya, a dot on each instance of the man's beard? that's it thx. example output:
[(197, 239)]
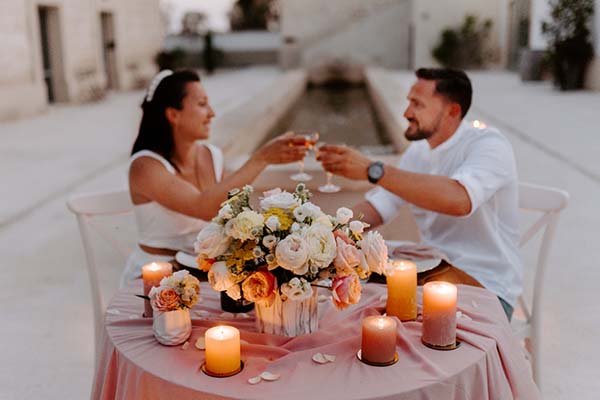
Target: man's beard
[(422, 133)]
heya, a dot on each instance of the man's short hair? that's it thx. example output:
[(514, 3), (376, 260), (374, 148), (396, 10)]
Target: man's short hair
[(453, 84)]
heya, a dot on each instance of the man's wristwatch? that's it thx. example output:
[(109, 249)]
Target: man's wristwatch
[(375, 171)]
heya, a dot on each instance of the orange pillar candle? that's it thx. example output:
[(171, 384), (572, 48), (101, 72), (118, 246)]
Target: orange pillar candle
[(378, 339), (439, 313), (401, 279), (152, 274), (222, 350)]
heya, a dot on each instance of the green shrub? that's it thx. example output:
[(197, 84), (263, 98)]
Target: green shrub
[(465, 46)]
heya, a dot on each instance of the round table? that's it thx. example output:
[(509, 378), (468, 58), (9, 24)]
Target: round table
[(489, 364)]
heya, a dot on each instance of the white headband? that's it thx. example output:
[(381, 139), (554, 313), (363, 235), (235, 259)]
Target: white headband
[(155, 82)]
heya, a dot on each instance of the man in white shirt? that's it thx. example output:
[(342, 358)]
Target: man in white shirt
[(460, 183)]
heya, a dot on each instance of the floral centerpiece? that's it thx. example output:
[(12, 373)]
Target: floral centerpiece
[(277, 252), (171, 301)]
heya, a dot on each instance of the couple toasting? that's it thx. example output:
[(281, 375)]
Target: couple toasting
[(460, 182)]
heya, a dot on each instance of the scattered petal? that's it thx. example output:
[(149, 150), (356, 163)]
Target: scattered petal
[(329, 357), (113, 311), (227, 315), (319, 359), (200, 344), (254, 380), (133, 316), (242, 341), (383, 297), (268, 376), (185, 345), (242, 315)]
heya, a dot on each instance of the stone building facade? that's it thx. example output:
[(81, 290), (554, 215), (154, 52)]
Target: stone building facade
[(73, 50)]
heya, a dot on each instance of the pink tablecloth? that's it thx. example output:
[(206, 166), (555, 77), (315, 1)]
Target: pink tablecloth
[(488, 365)]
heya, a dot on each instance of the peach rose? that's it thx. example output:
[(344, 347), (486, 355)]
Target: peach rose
[(338, 233), (347, 256), (260, 287), (346, 290), (164, 300)]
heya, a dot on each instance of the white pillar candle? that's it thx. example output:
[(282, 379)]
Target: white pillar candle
[(222, 349), (439, 313)]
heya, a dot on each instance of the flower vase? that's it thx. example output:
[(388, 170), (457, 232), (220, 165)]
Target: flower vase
[(288, 317), (172, 327)]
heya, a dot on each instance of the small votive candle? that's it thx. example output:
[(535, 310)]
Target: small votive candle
[(401, 277), (152, 274), (439, 313), (222, 350), (378, 339)]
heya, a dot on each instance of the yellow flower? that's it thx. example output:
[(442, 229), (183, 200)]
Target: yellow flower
[(284, 217)]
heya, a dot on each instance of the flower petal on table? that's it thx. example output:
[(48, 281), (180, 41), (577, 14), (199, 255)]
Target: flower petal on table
[(200, 344), (254, 380), (268, 376), (319, 359)]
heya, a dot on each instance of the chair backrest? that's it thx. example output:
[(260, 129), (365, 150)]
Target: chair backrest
[(549, 202), (86, 207)]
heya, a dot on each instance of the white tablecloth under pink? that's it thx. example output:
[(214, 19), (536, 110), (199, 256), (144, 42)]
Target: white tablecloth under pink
[(489, 364)]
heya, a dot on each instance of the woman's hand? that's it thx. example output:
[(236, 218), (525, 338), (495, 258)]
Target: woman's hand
[(283, 149)]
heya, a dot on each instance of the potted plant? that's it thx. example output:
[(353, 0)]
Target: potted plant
[(570, 47)]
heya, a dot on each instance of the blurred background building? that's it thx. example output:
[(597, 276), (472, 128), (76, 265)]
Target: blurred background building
[(73, 50)]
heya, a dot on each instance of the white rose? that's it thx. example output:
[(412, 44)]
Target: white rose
[(323, 220), (297, 289), (273, 223), (357, 227), (307, 210), (375, 253), (226, 212), (211, 241), (269, 241), (247, 225), (219, 277), (292, 254), (343, 215), (321, 245), (283, 200)]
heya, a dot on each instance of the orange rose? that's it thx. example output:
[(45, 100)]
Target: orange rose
[(346, 290), (204, 264), (260, 287), (164, 300)]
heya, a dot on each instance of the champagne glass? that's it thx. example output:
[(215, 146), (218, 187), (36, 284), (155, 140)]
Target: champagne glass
[(329, 187), (310, 139)]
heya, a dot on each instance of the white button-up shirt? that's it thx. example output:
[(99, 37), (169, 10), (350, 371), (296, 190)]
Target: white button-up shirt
[(484, 243)]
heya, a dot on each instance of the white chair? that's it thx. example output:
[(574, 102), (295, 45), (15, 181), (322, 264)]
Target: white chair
[(86, 207), (526, 322)]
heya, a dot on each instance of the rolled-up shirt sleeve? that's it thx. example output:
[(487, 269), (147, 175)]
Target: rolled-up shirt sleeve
[(386, 203), (488, 166)]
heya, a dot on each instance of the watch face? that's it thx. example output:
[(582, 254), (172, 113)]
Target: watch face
[(375, 172)]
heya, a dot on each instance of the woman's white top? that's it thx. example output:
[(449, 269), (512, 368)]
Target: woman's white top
[(163, 228)]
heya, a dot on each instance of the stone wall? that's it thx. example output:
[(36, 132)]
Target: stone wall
[(78, 62)]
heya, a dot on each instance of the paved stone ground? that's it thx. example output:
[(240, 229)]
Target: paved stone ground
[(46, 333)]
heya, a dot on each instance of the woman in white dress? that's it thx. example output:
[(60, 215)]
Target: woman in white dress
[(176, 182)]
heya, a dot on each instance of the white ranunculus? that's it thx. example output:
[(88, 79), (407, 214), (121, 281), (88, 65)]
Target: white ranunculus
[(375, 252), (211, 241), (343, 215), (357, 227), (226, 212), (269, 241), (247, 225), (323, 220), (307, 210), (297, 289), (219, 277), (321, 245), (292, 254), (283, 200), (273, 223)]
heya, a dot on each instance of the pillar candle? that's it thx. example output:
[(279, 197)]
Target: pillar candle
[(439, 313), (152, 274), (401, 279), (378, 339), (222, 349)]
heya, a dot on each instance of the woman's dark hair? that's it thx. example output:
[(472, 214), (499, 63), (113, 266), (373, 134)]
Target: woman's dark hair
[(453, 84), (155, 131)]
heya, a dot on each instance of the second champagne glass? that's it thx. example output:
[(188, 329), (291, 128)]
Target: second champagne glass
[(329, 186), (310, 139)]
